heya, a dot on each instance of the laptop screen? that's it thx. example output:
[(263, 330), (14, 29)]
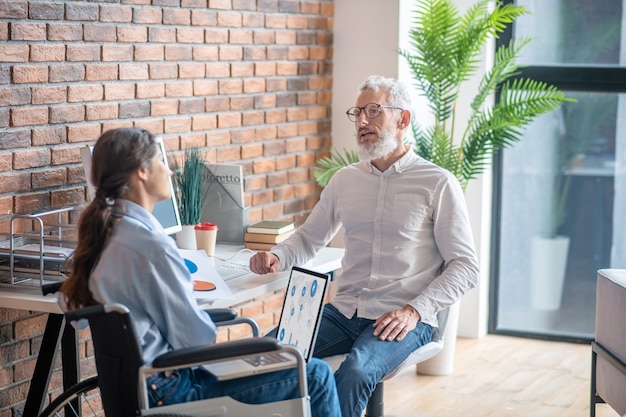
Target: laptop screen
[(302, 309), (165, 211)]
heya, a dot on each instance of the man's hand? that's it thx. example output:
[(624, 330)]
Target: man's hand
[(394, 325), (264, 262)]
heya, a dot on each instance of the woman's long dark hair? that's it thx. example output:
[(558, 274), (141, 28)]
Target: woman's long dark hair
[(118, 153)]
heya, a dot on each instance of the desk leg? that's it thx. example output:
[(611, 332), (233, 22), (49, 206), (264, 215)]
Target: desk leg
[(70, 361), (69, 356), (43, 368)]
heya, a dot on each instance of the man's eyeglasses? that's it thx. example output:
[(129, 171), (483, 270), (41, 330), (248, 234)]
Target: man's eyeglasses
[(371, 110)]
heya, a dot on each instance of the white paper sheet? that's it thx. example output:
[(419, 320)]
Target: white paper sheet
[(202, 269)]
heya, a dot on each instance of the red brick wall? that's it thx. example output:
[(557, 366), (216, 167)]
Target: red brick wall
[(247, 81)]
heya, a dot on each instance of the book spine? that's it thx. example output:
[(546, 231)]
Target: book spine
[(259, 246), (267, 238), (264, 231)]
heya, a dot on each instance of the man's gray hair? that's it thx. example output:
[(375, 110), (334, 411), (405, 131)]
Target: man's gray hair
[(398, 92)]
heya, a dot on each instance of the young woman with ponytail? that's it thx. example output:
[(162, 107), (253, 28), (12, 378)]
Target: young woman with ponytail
[(124, 256)]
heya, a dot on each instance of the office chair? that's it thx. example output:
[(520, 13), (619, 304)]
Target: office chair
[(122, 373), (375, 405)]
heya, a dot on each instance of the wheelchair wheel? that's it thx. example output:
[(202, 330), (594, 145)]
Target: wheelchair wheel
[(82, 399)]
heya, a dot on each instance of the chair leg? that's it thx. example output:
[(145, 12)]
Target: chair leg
[(595, 398), (592, 402), (376, 403)]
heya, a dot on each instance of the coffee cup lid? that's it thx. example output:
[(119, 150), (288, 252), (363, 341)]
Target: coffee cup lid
[(205, 226)]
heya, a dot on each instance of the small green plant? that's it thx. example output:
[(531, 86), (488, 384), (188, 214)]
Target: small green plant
[(445, 52), (190, 181)]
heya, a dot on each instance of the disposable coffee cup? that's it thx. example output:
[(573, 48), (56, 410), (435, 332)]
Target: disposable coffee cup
[(206, 235)]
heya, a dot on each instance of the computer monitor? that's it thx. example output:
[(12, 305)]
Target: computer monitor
[(165, 211)]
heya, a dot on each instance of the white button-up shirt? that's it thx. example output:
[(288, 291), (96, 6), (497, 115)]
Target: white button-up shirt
[(407, 236)]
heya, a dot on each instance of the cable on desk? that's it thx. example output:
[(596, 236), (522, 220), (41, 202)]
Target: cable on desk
[(233, 256)]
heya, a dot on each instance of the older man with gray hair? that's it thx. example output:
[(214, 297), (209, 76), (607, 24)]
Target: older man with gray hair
[(409, 247)]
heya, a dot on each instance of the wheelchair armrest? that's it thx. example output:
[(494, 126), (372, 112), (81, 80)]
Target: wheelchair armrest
[(228, 317), (221, 314), (95, 310), (196, 356), (199, 354)]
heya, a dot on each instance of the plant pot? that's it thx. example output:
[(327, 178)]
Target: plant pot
[(548, 261), (186, 238), (443, 362)]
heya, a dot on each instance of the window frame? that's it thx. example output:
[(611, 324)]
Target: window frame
[(587, 78)]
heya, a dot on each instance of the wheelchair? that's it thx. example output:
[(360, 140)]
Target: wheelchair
[(119, 387)]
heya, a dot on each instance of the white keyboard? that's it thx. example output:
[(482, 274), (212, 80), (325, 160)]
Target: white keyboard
[(232, 269)]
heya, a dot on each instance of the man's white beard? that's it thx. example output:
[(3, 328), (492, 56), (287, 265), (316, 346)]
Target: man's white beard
[(384, 146)]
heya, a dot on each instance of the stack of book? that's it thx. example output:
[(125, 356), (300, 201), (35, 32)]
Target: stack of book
[(265, 234)]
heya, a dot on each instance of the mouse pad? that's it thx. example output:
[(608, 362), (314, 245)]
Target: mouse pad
[(203, 286)]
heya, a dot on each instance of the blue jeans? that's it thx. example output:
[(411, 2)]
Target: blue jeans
[(369, 358), (197, 383)]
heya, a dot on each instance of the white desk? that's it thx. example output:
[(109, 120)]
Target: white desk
[(244, 288), (248, 287), (28, 298)]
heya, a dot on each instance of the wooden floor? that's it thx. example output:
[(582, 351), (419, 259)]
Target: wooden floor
[(500, 376)]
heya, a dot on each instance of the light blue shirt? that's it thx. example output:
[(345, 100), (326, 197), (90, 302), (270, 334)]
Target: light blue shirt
[(141, 268), (407, 236)]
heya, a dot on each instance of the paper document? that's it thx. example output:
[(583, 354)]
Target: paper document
[(202, 269)]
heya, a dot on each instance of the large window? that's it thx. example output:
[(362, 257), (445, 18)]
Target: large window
[(561, 192)]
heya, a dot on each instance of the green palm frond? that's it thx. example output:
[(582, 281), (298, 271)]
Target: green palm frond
[(474, 29), (434, 82), (327, 166), (525, 99), (504, 67), (521, 101), (422, 143), (489, 131), (432, 60), (443, 152)]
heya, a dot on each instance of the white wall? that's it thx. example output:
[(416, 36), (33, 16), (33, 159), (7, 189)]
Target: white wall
[(367, 36), (365, 43)]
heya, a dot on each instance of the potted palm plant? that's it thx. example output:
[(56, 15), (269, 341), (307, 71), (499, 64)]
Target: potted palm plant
[(445, 51), (190, 179)]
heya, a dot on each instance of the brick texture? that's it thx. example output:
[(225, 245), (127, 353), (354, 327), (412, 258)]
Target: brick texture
[(246, 81)]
